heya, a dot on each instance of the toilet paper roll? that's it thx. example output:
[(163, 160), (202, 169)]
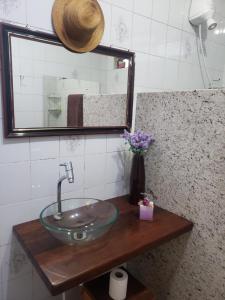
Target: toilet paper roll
[(118, 284)]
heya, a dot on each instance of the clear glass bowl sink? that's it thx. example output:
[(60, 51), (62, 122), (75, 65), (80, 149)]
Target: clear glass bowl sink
[(83, 220)]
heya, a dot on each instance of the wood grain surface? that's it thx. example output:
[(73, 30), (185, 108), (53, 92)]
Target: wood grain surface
[(63, 267)]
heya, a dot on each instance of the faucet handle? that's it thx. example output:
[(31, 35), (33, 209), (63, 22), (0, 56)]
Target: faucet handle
[(68, 165), (69, 170)]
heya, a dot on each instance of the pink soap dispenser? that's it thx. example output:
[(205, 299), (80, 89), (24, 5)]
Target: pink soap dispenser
[(146, 207)]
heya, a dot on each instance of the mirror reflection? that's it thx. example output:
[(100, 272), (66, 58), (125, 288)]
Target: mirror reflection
[(53, 87)]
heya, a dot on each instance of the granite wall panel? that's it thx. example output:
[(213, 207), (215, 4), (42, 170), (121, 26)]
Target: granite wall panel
[(186, 169)]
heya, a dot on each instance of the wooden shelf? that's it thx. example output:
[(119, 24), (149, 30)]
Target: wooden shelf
[(63, 267), (98, 289)]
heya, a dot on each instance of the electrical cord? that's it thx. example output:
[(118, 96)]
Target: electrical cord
[(203, 56)]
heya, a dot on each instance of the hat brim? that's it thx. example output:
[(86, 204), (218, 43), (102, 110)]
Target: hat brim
[(77, 46)]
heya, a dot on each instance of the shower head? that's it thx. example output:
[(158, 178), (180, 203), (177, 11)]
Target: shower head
[(202, 11), (211, 24)]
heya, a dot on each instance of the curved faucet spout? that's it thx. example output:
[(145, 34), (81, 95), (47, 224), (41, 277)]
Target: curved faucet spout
[(70, 177)]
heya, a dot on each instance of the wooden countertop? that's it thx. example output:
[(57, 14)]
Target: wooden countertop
[(63, 267)]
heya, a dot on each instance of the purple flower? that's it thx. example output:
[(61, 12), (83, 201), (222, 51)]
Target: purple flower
[(139, 141)]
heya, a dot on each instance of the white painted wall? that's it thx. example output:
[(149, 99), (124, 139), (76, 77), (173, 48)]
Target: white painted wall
[(160, 34)]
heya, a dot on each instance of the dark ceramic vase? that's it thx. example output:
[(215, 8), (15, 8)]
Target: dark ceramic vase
[(137, 179)]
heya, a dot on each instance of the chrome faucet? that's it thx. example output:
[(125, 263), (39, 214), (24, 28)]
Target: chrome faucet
[(70, 177)]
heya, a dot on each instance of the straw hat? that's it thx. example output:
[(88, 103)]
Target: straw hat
[(79, 24)]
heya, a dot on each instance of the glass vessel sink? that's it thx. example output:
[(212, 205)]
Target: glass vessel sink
[(83, 220)]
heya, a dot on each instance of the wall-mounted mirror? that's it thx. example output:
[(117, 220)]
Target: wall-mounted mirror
[(49, 90)]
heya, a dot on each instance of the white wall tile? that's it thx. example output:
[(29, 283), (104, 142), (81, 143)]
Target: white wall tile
[(16, 64), (40, 291), (189, 52), (114, 167), (115, 189), (128, 157), (12, 150), (13, 11), (171, 74), (77, 193), (160, 10), (107, 11), (142, 72), (44, 148), (185, 76), (24, 119), (141, 33), (217, 77), (1, 291), (35, 9), (197, 77), (158, 38), (94, 170), (25, 66), (71, 146), (22, 85), (220, 7), (38, 51), (218, 35), (97, 192), (18, 213), (186, 24), (20, 288), (38, 68), (15, 262), (157, 65), (115, 143), (28, 103), (173, 43), (95, 144), (15, 182), (44, 176), (24, 48), (176, 13), (143, 7), (127, 4), (215, 55), (121, 28)]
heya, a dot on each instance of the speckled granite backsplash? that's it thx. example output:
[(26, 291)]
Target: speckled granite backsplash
[(105, 110), (186, 169)]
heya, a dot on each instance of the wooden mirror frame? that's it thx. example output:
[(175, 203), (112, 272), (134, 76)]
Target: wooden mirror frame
[(6, 31)]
